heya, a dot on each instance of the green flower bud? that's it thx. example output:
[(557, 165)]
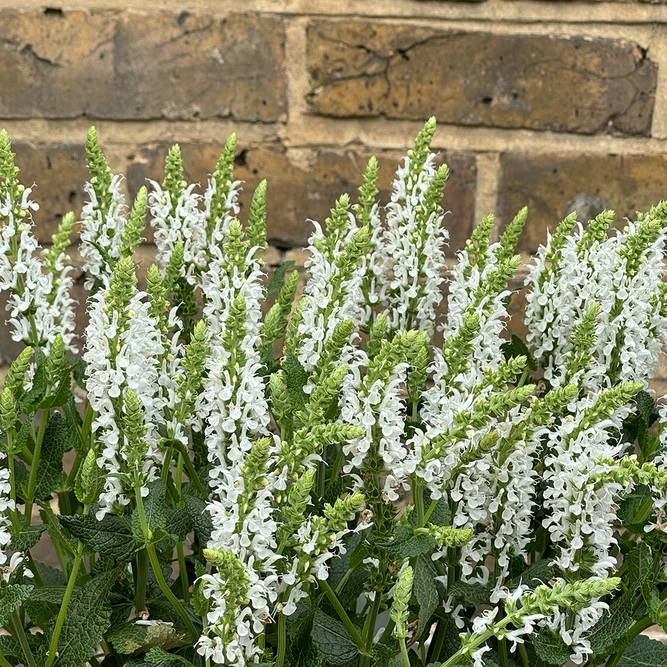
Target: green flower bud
[(399, 608), (135, 430), (56, 360), (15, 378), (131, 236), (89, 482), (367, 192), (447, 536), (7, 410), (256, 232)]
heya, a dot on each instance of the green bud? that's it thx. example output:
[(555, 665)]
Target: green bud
[(399, 608), (367, 192), (447, 536), (89, 482), (56, 360), (59, 243), (7, 410), (257, 218), (173, 178), (15, 378), (131, 236), (135, 430)]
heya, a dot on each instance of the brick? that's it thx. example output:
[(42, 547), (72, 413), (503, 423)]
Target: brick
[(554, 185), (307, 190), (59, 172), (576, 84), (179, 66)]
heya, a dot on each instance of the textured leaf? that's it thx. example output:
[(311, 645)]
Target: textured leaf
[(408, 545), (160, 658), (200, 518), (550, 648), (333, 641), (425, 593), (278, 279), (640, 566), (612, 626), (644, 652), (155, 510), (52, 594), (470, 595), (73, 421), (301, 652), (295, 380), (110, 537), (539, 572), (50, 465), (179, 522), (11, 597), (131, 637), (636, 508), (88, 618), (646, 407), (27, 537)]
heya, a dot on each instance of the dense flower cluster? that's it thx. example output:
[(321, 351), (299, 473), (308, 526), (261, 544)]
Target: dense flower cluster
[(257, 478)]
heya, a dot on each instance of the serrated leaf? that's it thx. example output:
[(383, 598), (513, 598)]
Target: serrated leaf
[(73, 421), (131, 637), (425, 593), (470, 595), (636, 508), (612, 626), (88, 618), (200, 518), (50, 464), (110, 537), (640, 566), (158, 657), (334, 643), (408, 545), (33, 398), (11, 597), (51, 594), (295, 380), (27, 537), (50, 576), (644, 652), (154, 509), (537, 573), (278, 279), (179, 522), (550, 648)]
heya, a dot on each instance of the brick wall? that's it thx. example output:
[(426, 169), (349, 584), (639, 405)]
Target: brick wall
[(552, 104)]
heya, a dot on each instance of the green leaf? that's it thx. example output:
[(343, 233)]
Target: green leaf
[(278, 279), (73, 421), (155, 510), (200, 518), (334, 643), (469, 595), (646, 407), (644, 652), (640, 566), (131, 637), (539, 572), (50, 464), (636, 508), (517, 348), (408, 545), (612, 626), (33, 398), (157, 656), (550, 648), (179, 522), (27, 537), (301, 652), (51, 594), (110, 537), (295, 380), (425, 593), (88, 618), (11, 597)]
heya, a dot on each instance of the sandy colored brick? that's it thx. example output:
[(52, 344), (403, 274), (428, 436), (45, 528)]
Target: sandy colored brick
[(178, 66), (554, 185), (306, 188), (575, 84), (58, 173)]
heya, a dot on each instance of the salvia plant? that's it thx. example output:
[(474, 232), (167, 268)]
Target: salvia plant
[(345, 478)]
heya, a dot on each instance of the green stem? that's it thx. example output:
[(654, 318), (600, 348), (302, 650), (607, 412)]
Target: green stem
[(282, 640), (12, 487), (429, 511), (437, 643), (524, 655), (369, 631), (17, 626), (60, 621), (418, 494), (4, 662), (185, 584), (475, 642), (404, 652), (155, 563), (342, 614), (140, 576), (32, 480)]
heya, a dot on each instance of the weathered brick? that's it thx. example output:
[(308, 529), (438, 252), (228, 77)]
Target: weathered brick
[(576, 84), (58, 172), (308, 190), (554, 185), (141, 66)]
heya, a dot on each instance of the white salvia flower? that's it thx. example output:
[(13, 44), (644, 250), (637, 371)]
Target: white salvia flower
[(38, 302), (630, 329), (220, 229), (186, 224), (412, 250), (119, 359), (6, 505), (102, 230)]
